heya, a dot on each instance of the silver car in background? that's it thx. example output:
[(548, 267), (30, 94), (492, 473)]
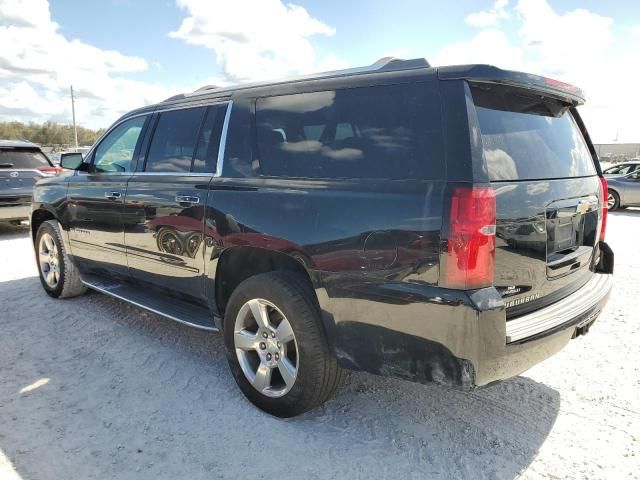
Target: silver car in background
[(22, 164), (624, 189)]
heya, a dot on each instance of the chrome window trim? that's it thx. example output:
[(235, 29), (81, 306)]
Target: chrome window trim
[(221, 147), (223, 140), (175, 174)]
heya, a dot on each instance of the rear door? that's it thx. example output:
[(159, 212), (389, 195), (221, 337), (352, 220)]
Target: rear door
[(20, 169), (167, 197), (547, 195)]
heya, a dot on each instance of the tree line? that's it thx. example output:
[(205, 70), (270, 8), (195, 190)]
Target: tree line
[(48, 133)]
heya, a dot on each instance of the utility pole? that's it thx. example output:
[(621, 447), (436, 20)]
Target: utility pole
[(73, 112)]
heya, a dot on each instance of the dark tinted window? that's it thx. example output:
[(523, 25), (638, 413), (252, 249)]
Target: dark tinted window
[(20, 158), (528, 136), (206, 155), (379, 132), (174, 140)]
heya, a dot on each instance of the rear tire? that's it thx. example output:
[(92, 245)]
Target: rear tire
[(613, 201), (59, 276), (302, 371)]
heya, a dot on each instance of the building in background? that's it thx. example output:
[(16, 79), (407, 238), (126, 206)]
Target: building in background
[(617, 152)]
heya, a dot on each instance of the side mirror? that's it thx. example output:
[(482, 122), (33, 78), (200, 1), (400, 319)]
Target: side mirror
[(71, 161)]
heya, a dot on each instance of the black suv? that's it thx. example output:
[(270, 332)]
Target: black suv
[(434, 224), (21, 165)]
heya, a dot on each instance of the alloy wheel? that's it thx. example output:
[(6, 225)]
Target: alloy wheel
[(266, 347), (49, 260), (611, 201)]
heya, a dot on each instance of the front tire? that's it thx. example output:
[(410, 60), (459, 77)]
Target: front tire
[(276, 346), (58, 274)]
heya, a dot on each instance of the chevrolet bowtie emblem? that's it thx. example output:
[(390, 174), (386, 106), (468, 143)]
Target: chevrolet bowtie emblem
[(582, 207)]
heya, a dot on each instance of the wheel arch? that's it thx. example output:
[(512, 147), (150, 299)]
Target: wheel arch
[(38, 217), (239, 263)]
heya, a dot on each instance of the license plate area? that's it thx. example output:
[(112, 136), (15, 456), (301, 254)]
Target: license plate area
[(571, 234)]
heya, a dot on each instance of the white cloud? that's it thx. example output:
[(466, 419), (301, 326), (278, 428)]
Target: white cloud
[(38, 64), (576, 46), (490, 17), (256, 39)]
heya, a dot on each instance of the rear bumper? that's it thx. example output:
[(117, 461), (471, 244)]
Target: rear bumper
[(457, 338), (9, 213)]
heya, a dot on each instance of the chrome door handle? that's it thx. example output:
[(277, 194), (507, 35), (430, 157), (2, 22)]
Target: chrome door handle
[(112, 195), (190, 199)]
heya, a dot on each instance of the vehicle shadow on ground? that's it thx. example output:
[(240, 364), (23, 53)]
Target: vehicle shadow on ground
[(93, 388), (9, 231), (626, 212)]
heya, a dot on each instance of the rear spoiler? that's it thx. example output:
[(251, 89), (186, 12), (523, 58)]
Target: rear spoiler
[(490, 74)]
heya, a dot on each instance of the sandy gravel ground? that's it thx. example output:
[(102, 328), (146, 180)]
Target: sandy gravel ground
[(94, 388)]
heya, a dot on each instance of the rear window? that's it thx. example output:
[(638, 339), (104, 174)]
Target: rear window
[(23, 159), (527, 136), (381, 132)]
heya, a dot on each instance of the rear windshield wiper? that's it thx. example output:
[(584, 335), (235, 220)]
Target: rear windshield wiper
[(6, 165)]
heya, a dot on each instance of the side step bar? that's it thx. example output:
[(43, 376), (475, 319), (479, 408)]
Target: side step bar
[(171, 308), (570, 308)]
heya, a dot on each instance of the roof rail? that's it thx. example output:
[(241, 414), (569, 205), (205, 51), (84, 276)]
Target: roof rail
[(206, 87), (174, 97), (385, 64)]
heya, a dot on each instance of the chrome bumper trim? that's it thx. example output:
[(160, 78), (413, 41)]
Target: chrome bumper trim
[(562, 311)]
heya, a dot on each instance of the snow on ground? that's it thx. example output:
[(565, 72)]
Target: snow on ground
[(94, 388)]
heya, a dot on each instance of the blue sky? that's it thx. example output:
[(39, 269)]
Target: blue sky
[(365, 30), (123, 53)]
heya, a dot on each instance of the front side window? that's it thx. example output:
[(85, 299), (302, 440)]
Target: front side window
[(380, 132), (115, 152), (620, 169)]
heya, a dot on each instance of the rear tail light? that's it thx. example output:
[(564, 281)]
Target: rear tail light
[(604, 198), (472, 238), (50, 171)]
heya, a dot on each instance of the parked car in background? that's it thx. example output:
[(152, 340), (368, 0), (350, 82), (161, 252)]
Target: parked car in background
[(623, 168), (434, 224), (21, 165), (624, 190)]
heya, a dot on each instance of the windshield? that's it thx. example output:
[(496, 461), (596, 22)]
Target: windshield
[(528, 137), (23, 159)]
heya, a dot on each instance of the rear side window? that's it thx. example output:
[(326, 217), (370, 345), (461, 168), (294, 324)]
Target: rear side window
[(174, 140), (381, 132), (186, 140), (23, 159), (527, 136), (206, 156)]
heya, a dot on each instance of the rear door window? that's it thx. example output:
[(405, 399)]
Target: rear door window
[(528, 137), (27, 159), (186, 140), (174, 140), (380, 132)]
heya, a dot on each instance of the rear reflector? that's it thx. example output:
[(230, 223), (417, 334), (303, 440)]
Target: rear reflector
[(472, 238), (604, 191)]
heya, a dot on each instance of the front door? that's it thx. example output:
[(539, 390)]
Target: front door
[(167, 197), (632, 188), (95, 204)]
